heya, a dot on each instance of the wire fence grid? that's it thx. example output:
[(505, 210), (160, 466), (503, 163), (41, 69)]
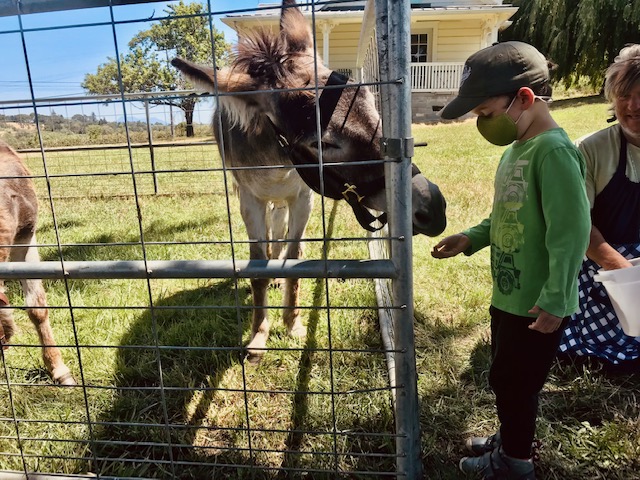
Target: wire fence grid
[(88, 153), (150, 301)]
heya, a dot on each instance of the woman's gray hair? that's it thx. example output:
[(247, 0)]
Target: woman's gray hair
[(623, 74)]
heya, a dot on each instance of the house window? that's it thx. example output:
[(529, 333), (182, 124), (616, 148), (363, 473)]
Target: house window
[(419, 48)]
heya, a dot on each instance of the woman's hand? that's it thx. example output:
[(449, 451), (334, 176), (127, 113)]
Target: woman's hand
[(604, 254), (451, 246)]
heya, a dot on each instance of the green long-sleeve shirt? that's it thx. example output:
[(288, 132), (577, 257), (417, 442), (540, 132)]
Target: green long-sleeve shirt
[(539, 226)]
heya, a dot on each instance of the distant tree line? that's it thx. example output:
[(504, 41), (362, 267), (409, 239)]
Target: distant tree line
[(19, 130)]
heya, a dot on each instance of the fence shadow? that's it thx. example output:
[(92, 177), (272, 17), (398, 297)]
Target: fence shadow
[(578, 392), (133, 435)]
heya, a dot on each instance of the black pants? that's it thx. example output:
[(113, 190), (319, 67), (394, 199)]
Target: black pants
[(521, 362)]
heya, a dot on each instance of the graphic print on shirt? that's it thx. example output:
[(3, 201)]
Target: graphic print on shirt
[(510, 232)]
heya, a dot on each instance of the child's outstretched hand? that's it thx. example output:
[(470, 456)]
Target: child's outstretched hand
[(451, 246), (546, 322)]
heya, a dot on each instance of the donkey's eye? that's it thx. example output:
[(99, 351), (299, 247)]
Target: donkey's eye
[(329, 146)]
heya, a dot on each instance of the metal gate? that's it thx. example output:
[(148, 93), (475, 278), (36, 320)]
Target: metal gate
[(159, 395)]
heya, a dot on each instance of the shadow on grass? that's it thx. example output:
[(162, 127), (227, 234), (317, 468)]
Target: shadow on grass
[(150, 431), (587, 419), (103, 247), (371, 453), (451, 387), (97, 248), (577, 102), (588, 390)]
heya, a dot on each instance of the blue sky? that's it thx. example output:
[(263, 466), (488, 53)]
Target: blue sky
[(60, 58)]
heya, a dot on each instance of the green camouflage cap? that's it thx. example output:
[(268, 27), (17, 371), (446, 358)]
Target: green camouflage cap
[(496, 70)]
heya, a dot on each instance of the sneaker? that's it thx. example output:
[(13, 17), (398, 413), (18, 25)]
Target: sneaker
[(481, 445), (495, 465)]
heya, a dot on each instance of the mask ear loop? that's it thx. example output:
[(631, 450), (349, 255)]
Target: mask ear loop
[(510, 105), (544, 99)]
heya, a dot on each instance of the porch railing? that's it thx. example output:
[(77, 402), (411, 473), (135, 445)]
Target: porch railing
[(436, 76)]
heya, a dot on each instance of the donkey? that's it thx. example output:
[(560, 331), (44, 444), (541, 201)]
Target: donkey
[(267, 128), (18, 219)]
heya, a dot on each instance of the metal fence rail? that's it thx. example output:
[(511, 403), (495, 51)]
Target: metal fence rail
[(149, 304)]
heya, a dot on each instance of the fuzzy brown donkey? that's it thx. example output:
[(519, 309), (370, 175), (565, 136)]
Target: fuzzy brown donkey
[(18, 219)]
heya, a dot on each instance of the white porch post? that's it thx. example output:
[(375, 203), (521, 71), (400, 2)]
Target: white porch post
[(489, 32), (326, 30)]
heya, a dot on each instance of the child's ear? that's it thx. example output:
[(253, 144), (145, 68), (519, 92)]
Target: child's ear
[(526, 97)]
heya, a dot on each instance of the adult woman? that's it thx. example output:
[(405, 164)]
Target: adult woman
[(613, 187)]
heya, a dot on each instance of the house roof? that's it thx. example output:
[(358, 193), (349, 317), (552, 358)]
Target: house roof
[(357, 5), (351, 11)]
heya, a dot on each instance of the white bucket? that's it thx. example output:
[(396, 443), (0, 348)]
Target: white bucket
[(623, 287)]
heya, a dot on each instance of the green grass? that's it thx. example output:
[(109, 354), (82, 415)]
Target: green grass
[(588, 419)]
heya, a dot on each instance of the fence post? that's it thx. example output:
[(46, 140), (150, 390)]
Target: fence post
[(393, 32), (151, 151)]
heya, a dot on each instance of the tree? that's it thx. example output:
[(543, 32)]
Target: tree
[(581, 36), (145, 67)]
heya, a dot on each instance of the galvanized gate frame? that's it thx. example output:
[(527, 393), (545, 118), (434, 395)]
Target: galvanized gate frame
[(393, 34)]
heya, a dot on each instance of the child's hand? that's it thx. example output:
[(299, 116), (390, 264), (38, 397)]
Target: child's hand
[(546, 322), (451, 246)]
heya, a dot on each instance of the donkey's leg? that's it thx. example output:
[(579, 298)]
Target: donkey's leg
[(35, 296), (6, 314), (299, 212), (277, 215), (6, 319), (254, 213)]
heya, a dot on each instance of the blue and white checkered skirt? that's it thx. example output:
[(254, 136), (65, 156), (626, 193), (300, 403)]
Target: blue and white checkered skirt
[(595, 330)]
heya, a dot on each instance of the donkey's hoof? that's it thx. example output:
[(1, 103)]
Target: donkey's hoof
[(254, 357), (298, 331), (64, 378)]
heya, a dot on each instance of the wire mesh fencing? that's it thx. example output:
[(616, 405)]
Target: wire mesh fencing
[(150, 296), (89, 154)]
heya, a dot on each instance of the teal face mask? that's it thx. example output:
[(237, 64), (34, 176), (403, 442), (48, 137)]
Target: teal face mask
[(500, 130)]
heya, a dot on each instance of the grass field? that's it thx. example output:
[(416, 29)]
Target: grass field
[(295, 398)]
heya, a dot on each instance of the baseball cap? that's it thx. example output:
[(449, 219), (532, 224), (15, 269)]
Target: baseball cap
[(496, 70)]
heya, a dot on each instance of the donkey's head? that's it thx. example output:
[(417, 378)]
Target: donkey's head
[(312, 112)]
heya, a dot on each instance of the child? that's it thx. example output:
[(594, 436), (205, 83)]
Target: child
[(538, 231)]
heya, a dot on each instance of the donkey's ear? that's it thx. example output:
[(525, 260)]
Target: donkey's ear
[(205, 77), (294, 29)]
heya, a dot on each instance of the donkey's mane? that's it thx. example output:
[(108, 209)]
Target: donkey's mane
[(265, 55), (262, 55)]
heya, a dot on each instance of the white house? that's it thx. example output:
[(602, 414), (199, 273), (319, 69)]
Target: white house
[(443, 34)]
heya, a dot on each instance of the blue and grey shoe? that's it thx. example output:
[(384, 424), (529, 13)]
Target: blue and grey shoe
[(481, 445), (495, 465)]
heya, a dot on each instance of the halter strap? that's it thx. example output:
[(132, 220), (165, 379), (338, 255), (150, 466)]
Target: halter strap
[(335, 185), (330, 97)]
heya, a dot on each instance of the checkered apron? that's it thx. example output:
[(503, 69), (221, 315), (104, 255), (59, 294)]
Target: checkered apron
[(595, 330)]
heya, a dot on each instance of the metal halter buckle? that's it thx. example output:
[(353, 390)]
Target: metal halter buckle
[(351, 189)]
